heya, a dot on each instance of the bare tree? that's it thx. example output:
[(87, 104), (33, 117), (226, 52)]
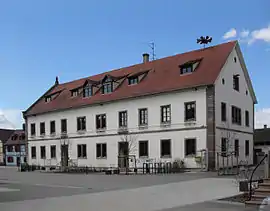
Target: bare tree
[(127, 149)]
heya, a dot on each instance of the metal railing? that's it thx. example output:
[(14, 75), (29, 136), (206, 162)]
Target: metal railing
[(251, 177)]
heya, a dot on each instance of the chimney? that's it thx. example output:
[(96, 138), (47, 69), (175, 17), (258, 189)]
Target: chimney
[(264, 126), (56, 80), (145, 57), (23, 126)]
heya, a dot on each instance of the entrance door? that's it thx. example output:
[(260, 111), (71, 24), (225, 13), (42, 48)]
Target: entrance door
[(122, 154), (64, 155)]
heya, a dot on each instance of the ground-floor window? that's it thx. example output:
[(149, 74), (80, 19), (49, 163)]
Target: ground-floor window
[(247, 148), (10, 159), (42, 152), (101, 150), (223, 146), (24, 160), (165, 148), (53, 151), (143, 148), (33, 152), (81, 151), (236, 147), (190, 147)]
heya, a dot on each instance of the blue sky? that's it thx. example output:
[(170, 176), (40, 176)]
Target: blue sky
[(72, 39)]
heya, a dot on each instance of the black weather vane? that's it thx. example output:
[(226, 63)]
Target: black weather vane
[(204, 40)]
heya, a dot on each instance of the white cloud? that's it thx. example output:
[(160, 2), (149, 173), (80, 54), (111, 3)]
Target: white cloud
[(230, 34), (244, 33), (11, 118), (262, 117), (260, 34)]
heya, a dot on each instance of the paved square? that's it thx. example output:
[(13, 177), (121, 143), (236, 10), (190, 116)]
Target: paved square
[(46, 192)]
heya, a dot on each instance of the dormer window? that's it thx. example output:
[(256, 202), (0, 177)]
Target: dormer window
[(133, 80), (48, 99), (188, 68), (74, 93), (87, 90), (107, 87), (236, 82)]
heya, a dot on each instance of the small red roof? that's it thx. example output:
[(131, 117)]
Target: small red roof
[(164, 76), (17, 137)]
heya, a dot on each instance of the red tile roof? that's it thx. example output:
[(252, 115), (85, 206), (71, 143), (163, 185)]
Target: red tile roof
[(164, 76), (5, 134), (17, 137)]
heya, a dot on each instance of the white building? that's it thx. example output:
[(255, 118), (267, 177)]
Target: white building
[(171, 108)]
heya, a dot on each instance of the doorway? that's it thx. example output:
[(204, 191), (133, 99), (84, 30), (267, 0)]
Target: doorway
[(18, 161), (64, 155), (123, 154)]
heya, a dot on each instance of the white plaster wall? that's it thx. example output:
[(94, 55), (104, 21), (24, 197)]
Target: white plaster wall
[(177, 148), (226, 93), (153, 104)]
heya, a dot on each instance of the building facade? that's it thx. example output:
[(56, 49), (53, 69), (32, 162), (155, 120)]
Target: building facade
[(4, 136), (16, 149), (158, 111)]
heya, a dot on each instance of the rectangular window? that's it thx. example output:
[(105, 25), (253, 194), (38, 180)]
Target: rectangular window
[(63, 126), (53, 151), (133, 80), (42, 128), (236, 147), (165, 148), (48, 99), (123, 119), (33, 153), (74, 93), (223, 146), (236, 82), (107, 87), (247, 148), (81, 123), (186, 69), (223, 112), (42, 152), (81, 151), (143, 148), (87, 91), (190, 147), (247, 118), (33, 129), (190, 111), (9, 148), (52, 127), (10, 160), (101, 150), (236, 115), (165, 114), (143, 116), (101, 121)]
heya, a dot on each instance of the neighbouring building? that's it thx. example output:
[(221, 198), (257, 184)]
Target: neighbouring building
[(167, 109), (261, 142), (4, 135), (16, 149)]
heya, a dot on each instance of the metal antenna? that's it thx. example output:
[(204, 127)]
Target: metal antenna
[(152, 46)]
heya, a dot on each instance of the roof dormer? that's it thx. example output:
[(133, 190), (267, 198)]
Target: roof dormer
[(189, 66), (107, 85)]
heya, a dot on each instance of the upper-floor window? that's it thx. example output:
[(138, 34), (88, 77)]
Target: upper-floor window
[(133, 80), (143, 116), (52, 127), (63, 125), (101, 121), (123, 118), (81, 123), (74, 93), (190, 111), (42, 128), (48, 99), (107, 87), (247, 118), (188, 68), (87, 90), (33, 129), (236, 115), (223, 112), (236, 82), (165, 113)]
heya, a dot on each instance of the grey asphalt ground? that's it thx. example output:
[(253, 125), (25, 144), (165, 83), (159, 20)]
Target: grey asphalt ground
[(36, 185)]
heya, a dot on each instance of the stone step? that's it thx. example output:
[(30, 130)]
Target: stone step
[(264, 190), (259, 197)]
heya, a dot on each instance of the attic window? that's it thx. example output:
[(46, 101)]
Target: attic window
[(187, 68), (48, 99), (107, 87), (236, 82), (74, 93), (235, 60), (87, 90), (133, 80)]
